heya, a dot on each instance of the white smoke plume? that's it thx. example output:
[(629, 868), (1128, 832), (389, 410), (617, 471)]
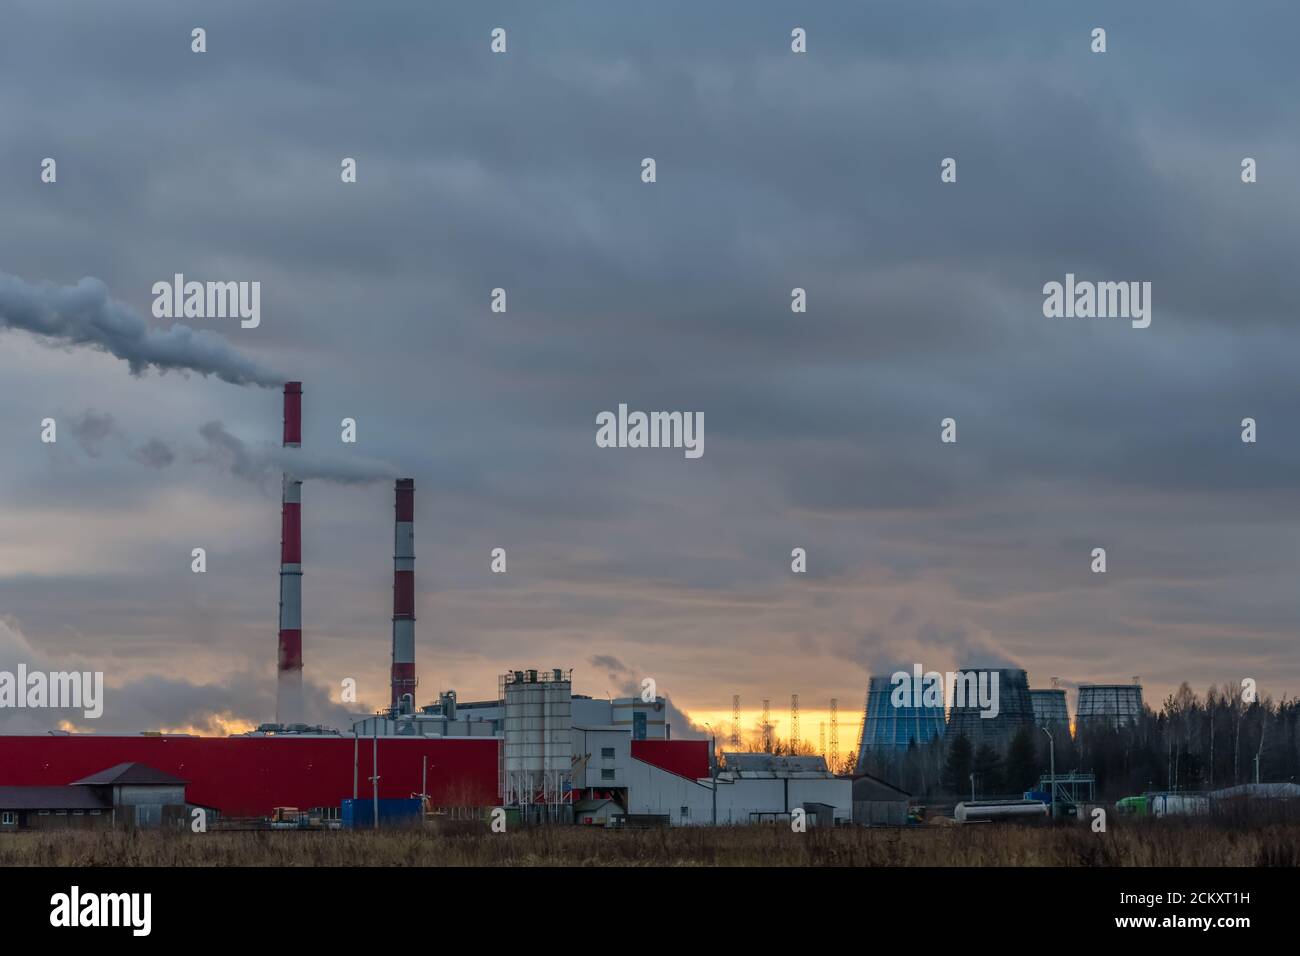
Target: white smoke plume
[(154, 701), (94, 430), (628, 682), (84, 315), (263, 463), (91, 430)]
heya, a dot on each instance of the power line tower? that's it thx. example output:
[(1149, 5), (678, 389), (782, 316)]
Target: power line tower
[(835, 734), (794, 723), (862, 725), (735, 721), (767, 725)]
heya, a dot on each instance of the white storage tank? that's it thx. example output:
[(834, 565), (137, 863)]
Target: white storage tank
[(972, 810)]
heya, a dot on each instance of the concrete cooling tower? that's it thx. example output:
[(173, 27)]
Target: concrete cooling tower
[(888, 727), (1015, 708)]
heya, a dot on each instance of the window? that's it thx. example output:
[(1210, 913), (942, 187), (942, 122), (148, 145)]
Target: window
[(94, 813), (686, 813), (607, 753), (78, 813), (8, 818), (44, 813), (607, 775)]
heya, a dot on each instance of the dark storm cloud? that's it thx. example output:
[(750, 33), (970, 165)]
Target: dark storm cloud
[(775, 171)]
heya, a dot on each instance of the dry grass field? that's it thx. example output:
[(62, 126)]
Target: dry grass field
[(1134, 844)]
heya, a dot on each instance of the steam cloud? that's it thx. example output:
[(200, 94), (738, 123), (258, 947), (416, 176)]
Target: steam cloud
[(83, 314), (155, 453), (261, 463), (629, 685), (155, 701), (91, 430)]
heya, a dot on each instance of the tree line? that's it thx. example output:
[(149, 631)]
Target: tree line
[(1191, 743)]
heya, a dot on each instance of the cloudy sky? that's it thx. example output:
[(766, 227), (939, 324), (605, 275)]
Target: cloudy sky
[(775, 170)]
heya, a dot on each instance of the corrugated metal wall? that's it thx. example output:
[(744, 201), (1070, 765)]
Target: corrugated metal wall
[(248, 776)]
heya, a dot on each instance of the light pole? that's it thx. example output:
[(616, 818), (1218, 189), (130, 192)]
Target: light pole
[(713, 770), (972, 786), (374, 765), (1051, 742)]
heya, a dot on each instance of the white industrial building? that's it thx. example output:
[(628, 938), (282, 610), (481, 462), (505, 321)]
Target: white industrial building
[(566, 757), (750, 788), (450, 718)]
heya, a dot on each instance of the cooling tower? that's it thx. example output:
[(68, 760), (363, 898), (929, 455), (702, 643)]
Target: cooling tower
[(1049, 708), (1113, 705), (1015, 707), (889, 727)]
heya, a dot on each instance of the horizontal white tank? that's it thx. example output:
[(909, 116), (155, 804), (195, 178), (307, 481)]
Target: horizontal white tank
[(971, 811)]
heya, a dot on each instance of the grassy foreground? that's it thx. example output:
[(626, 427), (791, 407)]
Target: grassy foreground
[(1149, 843)]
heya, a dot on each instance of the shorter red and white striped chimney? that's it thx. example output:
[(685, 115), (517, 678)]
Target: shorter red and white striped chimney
[(403, 677), (288, 697)]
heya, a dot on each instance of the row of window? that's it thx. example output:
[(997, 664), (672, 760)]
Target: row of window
[(10, 818)]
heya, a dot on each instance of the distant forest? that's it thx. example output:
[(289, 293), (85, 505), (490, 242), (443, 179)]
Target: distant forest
[(1191, 743)]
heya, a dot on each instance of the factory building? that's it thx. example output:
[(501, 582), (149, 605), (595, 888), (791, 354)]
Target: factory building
[(886, 726), (249, 776), (1015, 710), (450, 718), (1109, 705), (49, 808), (126, 795), (878, 802), (750, 788)]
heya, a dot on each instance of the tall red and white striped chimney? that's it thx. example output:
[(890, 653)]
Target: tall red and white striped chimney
[(404, 595), (288, 697)]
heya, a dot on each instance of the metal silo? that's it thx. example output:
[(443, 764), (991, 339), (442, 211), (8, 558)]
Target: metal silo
[(537, 743)]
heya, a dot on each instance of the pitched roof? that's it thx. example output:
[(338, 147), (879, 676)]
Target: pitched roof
[(51, 798), (136, 774), (867, 786), (775, 763)]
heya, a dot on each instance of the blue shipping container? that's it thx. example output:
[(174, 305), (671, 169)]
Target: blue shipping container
[(359, 814)]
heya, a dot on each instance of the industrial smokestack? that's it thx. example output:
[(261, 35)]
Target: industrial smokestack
[(288, 699), (404, 597)]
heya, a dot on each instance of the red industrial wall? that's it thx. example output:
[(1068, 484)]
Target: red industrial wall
[(247, 776), (686, 758)]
